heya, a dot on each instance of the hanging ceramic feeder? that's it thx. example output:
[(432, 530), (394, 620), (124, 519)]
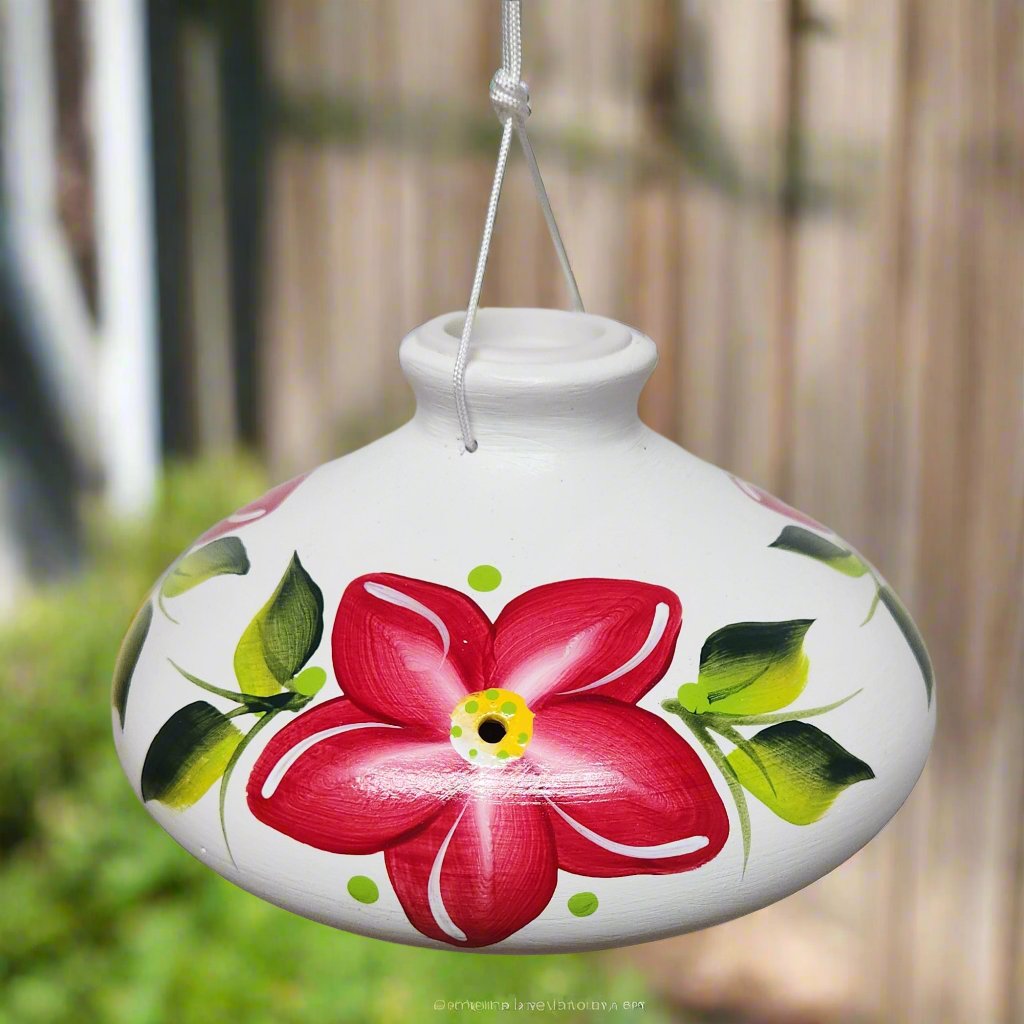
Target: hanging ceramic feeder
[(522, 676)]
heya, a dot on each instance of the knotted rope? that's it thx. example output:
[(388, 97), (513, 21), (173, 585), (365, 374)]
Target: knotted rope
[(511, 100)]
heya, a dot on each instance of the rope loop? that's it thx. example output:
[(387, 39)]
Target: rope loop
[(511, 100)]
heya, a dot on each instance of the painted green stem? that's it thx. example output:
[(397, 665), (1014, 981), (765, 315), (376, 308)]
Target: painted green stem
[(874, 601), (163, 607), (783, 716), (238, 698), (727, 732), (287, 700), (264, 720), (697, 727)]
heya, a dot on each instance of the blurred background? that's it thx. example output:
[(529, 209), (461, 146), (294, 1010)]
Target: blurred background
[(217, 221)]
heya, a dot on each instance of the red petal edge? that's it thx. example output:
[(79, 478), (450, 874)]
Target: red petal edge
[(408, 651), (254, 511), (615, 638), (622, 783)]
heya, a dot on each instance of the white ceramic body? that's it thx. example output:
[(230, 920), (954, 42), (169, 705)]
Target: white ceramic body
[(567, 483)]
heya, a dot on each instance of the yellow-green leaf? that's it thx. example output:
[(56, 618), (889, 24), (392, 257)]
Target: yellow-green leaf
[(283, 635), (750, 668), (813, 545), (188, 755), (796, 770), (222, 557), (128, 658)]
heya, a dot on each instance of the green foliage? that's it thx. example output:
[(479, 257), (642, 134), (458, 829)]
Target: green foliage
[(222, 557), (797, 770), (283, 635), (189, 754), (106, 920), (749, 668)]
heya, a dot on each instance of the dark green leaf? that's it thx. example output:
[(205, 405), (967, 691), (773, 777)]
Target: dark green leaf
[(283, 635), (188, 755), (800, 770), (128, 658), (813, 545), (221, 557), (749, 668), (906, 625)]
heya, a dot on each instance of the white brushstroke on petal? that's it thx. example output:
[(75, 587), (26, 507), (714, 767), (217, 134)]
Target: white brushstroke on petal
[(277, 773), (676, 848), (396, 597), (657, 631), (434, 898)]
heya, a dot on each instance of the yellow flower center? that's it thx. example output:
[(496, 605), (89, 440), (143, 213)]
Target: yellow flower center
[(492, 727)]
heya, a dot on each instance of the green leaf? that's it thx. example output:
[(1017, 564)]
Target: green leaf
[(188, 755), (283, 635), (801, 771), (906, 625), (813, 545), (225, 556), (749, 668), (128, 658)]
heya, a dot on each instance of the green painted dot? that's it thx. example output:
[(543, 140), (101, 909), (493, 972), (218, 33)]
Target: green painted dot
[(473, 752), (508, 708), (583, 904), (491, 694), (456, 730), (471, 706), (363, 889), (522, 737), (484, 577), (502, 754)]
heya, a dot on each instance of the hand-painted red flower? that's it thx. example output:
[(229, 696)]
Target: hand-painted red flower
[(254, 510), (762, 497), (482, 757)]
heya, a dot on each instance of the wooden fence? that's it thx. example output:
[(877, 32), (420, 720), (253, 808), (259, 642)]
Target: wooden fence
[(817, 211)]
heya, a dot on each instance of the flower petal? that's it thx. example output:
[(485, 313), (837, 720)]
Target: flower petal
[(254, 510), (408, 651), (609, 637), (763, 497), (626, 794), (336, 779), (478, 872)]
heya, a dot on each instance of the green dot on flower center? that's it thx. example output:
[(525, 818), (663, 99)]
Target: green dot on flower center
[(582, 904), (491, 694), (363, 889), (456, 730), (508, 708), (471, 706), (473, 752), (484, 578)]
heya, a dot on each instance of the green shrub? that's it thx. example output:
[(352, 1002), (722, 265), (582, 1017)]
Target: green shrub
[(106, 920)]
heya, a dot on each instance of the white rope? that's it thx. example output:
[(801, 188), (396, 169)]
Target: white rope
[(511, 100)]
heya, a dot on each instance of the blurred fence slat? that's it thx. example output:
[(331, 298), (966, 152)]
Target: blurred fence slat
[(817, 209)]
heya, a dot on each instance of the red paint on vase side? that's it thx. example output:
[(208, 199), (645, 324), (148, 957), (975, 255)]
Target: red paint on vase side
[(763, 497), (599, 787), (254, 511)]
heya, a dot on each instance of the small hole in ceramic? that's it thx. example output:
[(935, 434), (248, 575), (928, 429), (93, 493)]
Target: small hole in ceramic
[(492, 730)]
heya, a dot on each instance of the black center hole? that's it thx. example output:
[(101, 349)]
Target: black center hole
[(492, 730)]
